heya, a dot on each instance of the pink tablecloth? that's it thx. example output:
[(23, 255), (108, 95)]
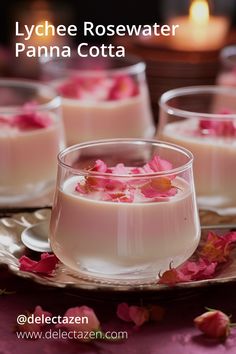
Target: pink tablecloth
[(174, 335)]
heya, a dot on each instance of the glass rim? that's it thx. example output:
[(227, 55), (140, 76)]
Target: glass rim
[(225, 55), (52, 103), (159, 143), (188, 90), (137, 67)]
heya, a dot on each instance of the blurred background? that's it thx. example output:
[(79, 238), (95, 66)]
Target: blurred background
[(166, 67)]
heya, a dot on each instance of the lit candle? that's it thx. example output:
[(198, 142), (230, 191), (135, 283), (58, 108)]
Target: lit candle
[(199, 31)]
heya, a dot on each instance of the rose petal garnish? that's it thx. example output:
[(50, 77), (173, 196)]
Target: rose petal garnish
[(118, 197), (125, 189), (158, 187), (221, 128), (157, 165), (120, 169), (123, 87), (5, 121), (214, 324), (99, 166), (46, 265), (98, 88), (29, 120)]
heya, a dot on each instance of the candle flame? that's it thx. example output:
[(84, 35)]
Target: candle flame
[(199, 12)]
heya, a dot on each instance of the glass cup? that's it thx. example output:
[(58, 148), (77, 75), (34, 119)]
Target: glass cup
[(124, 209), (101, 97), (31, 135), (203, 120), (227, 75)]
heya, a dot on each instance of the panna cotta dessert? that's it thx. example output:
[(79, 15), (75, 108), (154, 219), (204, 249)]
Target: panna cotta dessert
[(211, 137), (122, 222), (102, 100), (30, 138)]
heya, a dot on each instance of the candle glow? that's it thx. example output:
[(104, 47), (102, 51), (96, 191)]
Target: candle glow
[(199, 31), (199, 12)]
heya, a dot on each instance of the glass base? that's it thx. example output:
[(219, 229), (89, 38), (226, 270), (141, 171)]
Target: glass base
[(14, 196), (109, 273)]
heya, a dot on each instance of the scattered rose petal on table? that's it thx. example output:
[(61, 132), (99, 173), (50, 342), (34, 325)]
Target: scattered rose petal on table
[(46, 265), (30, 325), (214, 324), (88, 321), (217, 248), (139, 314), (214, 252)]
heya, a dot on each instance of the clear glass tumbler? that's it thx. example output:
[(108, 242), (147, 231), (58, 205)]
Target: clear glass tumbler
[(31, 136), (203, 120), (124, 209), (101, 97)]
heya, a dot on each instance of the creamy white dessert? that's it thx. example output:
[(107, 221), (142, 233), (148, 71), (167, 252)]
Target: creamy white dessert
[(214, 159), (27, 156), (104, 109), (118, 237)]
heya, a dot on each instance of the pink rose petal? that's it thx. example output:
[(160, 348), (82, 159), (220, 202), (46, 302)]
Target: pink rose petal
[(139, 315), (46, 265), (124, 87), (84, 320), (99, 166), (123, 312)]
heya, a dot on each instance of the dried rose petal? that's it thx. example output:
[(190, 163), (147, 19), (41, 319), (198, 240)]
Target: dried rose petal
[(5, 121), (124, 87), (123, 312), (197, 270), (98, 88), (118, 197), (214, 323), (172, 277), (123, 189), (89, 321), (189, 271), (217, 128), (157, 165), (34, 327), (29, 121), (158, 187), (136, 314), (120, 169), (217, 248), (46, 265), (139, 315), (99, 166), (156, 313)]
